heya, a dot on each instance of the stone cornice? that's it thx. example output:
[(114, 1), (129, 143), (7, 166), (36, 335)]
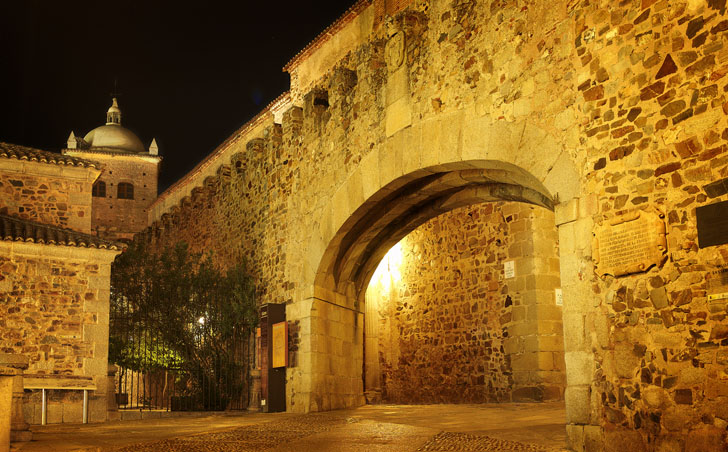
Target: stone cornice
[(102, 256), (109, 154)]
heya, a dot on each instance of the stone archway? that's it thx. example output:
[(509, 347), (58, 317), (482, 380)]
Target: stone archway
[(418, 173)]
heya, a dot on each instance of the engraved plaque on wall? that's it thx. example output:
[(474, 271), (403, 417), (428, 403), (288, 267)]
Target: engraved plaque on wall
[(630, 243), (712, 224)]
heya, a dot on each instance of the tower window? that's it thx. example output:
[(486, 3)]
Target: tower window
[(99, 189), (125, 190)]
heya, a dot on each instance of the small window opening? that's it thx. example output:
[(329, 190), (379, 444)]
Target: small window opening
[(99, 189), (125, 190)]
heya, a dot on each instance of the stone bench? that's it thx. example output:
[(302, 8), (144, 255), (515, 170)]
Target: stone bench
[(64, 382)]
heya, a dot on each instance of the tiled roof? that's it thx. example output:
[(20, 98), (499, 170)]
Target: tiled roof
[(18, 230), (325, 35), (15, 151)]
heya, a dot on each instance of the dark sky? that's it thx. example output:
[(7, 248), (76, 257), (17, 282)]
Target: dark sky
[(189, 73)]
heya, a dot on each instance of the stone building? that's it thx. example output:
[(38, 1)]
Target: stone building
[(609, 115), (128, 183), (54, 279)]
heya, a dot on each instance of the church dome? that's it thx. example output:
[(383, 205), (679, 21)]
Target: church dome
[(115, 137), (112, 135)]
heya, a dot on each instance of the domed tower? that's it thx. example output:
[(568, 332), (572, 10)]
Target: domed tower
[(128, 184)]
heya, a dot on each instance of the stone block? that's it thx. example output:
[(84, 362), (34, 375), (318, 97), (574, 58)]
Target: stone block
[(398, 116), (578, 404), (397, 85), (707, 439), (623, 440), (532, 361), (565, 213), (512, 345), (544, 312), (626, 363), (593, 438), (575, 437), (574, 332), (670, 443), (369, 168), (528, 394), (579, 368)]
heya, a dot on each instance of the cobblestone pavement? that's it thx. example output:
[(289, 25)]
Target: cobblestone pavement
[(373, 428), (447, 441), (332, 432)]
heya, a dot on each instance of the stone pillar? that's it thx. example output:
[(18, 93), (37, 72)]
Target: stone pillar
[(6, 397), (8, 413), (535, 334), (19, 429), (575, 224), (112, 407)]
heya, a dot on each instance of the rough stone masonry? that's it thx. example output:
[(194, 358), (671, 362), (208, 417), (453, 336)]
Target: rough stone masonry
[(404, 110)]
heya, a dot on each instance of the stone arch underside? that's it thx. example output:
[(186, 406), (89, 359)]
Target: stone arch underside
[(406, 203), (415, 174)]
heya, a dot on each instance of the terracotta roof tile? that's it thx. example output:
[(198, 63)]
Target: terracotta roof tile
[(15, 229), (15, 151)]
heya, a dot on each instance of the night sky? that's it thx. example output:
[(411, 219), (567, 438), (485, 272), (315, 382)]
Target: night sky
[(189, 74)]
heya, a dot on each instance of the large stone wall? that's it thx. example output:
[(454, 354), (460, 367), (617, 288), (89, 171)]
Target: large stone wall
[(46, 193), (653, 82), (55, 310), (597, 107), (442, 318)]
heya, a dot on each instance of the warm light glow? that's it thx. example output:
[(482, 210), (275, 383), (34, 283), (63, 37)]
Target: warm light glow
[(201, 321), (388, 271)]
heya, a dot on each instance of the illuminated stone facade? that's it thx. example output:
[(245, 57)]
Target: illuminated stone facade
[(403, 111), (54, 277), (127, 185), (444, 323)]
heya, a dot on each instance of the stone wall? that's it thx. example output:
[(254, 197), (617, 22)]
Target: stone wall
[(653, 82), (595, 108), (115, 218), (45, 193), (441, 316), (55, 310)]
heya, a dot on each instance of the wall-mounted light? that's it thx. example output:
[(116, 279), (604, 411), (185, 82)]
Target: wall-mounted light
[(389, 270)]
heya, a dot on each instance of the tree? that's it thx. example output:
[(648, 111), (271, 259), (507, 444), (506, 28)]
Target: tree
[(178, 310)]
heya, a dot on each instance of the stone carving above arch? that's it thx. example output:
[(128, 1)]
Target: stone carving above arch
[(394, 50)]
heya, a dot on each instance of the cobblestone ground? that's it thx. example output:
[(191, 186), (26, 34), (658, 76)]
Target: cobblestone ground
[(327, 432), (446, 441)]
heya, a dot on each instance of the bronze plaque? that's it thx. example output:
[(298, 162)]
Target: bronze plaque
[(630, 243), (712, 224)]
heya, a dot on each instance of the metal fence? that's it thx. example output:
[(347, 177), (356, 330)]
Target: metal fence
[(208, 371)]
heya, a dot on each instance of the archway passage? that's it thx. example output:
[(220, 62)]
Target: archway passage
[(462, 310), (406, 203), (392, 212)]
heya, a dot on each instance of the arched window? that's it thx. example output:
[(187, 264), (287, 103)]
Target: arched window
[(125, 190), (99, 189)]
